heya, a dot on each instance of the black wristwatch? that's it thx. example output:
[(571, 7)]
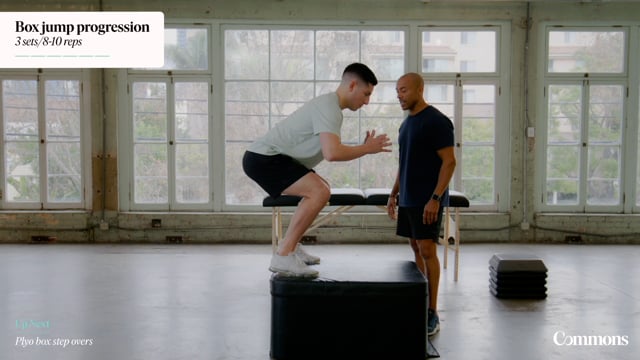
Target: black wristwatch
[(435, 197)]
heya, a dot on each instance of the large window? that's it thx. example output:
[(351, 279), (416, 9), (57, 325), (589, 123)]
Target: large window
[(170, 142), (169, 131), (464, 80), (42, 142), (270, 73), (586, 98), (180, 120)]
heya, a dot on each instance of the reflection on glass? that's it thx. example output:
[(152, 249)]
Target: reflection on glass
[(21, 140), (459, 51), (586, 51)]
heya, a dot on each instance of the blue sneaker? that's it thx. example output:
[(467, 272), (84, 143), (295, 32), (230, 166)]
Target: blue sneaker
[(433, 323)]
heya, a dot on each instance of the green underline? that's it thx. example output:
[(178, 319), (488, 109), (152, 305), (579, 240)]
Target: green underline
[(62, 56)]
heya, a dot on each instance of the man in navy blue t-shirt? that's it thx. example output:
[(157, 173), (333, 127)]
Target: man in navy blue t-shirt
[(427, 162)]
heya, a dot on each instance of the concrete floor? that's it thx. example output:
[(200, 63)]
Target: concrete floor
[(212, 302)]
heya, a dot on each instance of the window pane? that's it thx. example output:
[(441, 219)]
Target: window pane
[(23, 171), (334, 51), (603, 179), (478, 111), (240, 190), (325, 87), (185, 49), (20, 109), (384, 115), (605, 142), (563, 169), (247, 110), (478, 173), (21, 140), (246, 54), (287, 97), (192, 112), (291, 55), (150, 143), (151, 184), (383, 51), (62, 101), (605, 114), (64, 180), (350, 132), (459, 51), (564, 114), (192, 142), (150, 111), (343, 174), (374, 170), (442, 97), (192, 173), (586, 51)]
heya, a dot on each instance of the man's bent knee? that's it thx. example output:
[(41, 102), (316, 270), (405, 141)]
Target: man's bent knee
[(310, 186)]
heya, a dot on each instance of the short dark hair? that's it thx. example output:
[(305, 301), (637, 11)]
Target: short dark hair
[(363, 72)]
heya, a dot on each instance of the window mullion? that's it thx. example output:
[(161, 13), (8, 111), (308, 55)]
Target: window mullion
[(42, 148), (172, 143), (584, 146), (457, 123)]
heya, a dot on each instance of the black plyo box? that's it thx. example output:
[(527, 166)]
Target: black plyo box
[(354, 311), (517, 276)]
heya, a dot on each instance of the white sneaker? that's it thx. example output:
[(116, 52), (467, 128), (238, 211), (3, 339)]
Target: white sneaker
[(305, 256), (291, 265)]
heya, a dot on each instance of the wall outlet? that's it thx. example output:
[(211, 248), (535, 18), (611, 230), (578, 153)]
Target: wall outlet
[(174, 239), (531, 132), (309, 240), (573, 239), (524, 226), (104, 225)]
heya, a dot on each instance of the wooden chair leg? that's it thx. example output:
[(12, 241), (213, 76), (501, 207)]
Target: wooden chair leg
[(447, 232), (274, 229), (457, 245)]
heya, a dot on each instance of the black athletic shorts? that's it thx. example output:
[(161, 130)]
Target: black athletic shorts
[(274, 173), (410, 224)]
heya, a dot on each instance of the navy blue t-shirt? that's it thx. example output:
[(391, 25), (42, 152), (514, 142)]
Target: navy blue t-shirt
[(421, 136)]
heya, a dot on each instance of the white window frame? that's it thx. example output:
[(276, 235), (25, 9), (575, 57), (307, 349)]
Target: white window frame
[(412, 55), (41, 76), (501, 79), (632, 135), (625, 78), (172, 204), (126, 78), (295, 26)]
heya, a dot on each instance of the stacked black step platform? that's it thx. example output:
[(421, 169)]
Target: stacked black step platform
[(517, 276)]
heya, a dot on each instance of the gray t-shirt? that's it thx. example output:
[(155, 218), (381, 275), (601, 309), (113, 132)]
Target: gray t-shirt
[(298, 135)]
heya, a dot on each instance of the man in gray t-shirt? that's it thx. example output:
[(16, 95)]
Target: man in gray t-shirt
[(281, 161), (297, 135)]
